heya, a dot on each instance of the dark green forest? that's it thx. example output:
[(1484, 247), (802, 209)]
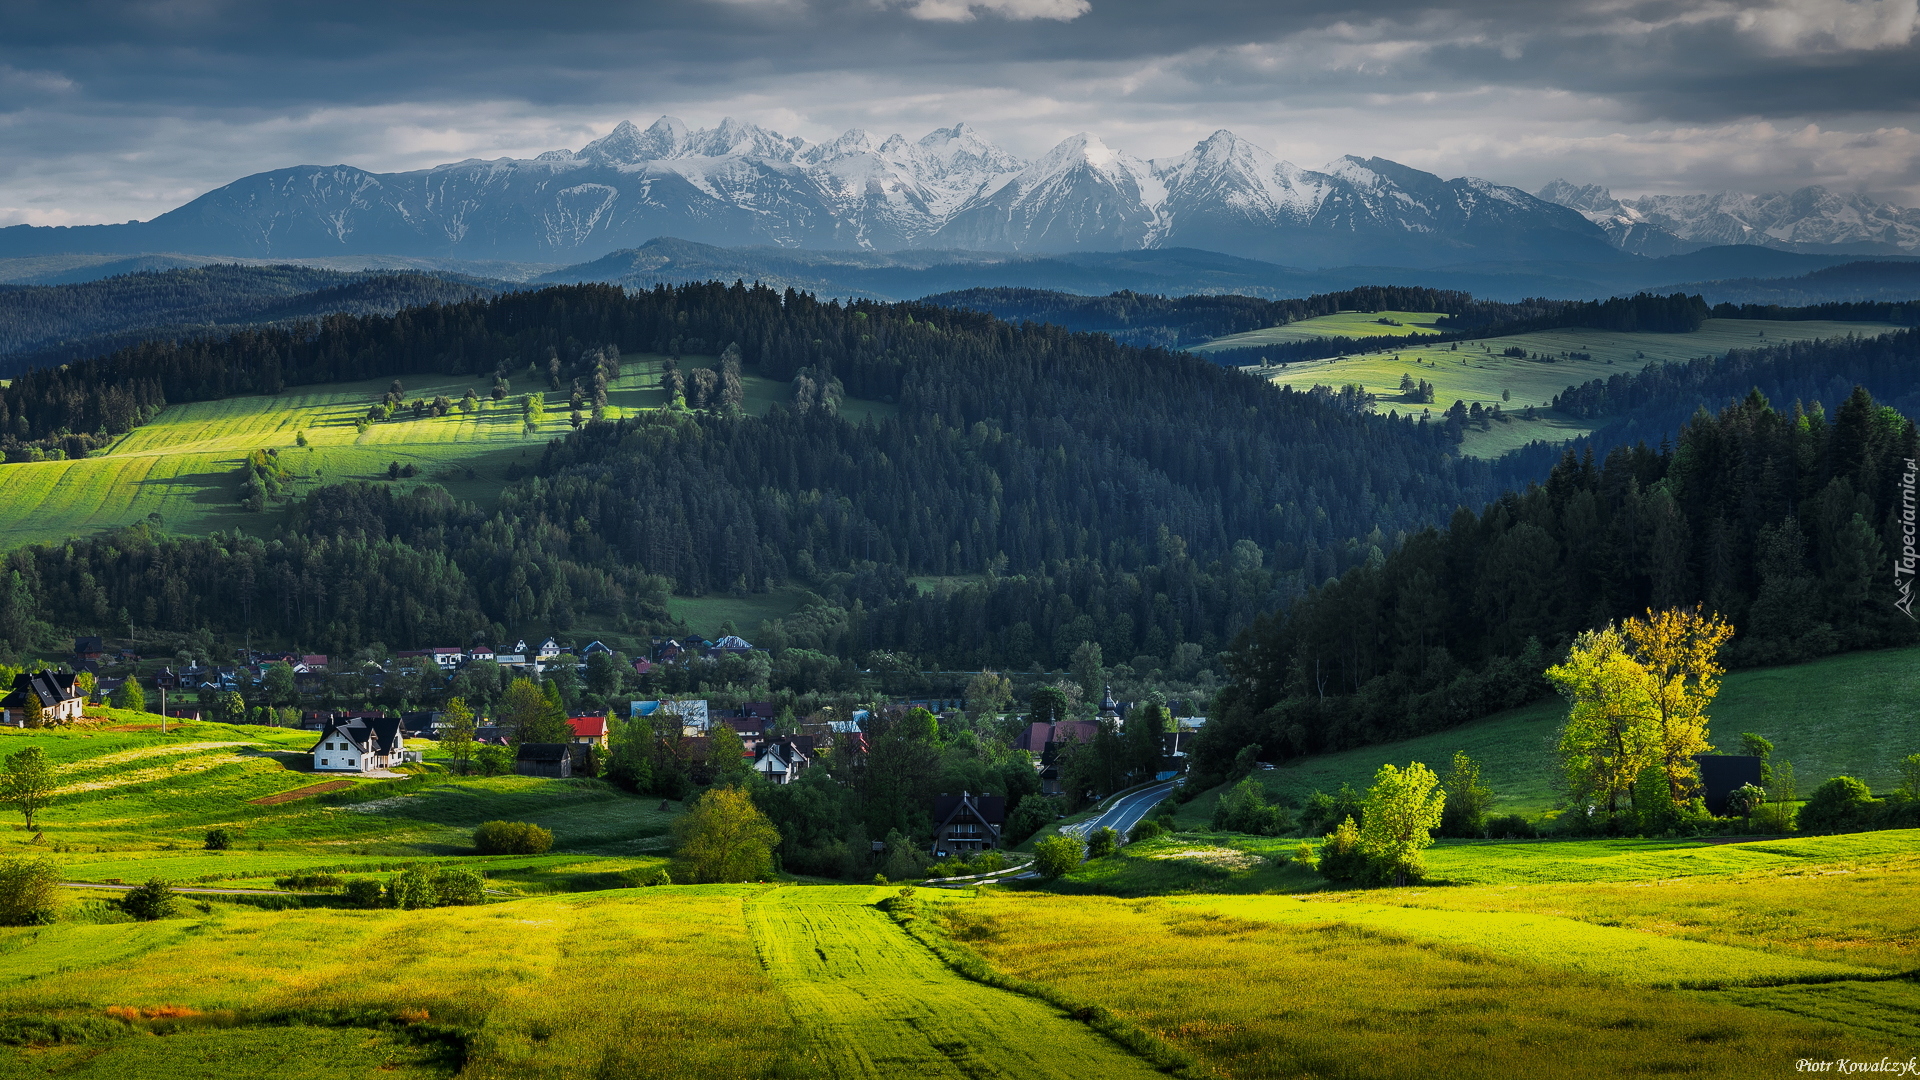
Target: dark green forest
[(1089, 491), (1781, 520), (52, 324)]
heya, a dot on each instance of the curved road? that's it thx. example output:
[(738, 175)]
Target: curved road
[(1126, 811)]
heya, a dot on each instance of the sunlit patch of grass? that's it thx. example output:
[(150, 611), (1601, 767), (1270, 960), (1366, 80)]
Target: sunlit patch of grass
[(1330, 996)]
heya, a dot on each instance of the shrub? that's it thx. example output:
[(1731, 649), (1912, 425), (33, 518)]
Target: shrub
[(1340, 857), (1510, 827), (1102, 843), (1324, 811), (218, 840), (511, 838), (1745, 799), (28, 888), (427, 886), (1842, 804), (1035, 812), (364, 892), (153, 900), (1148, 830), (455, 887), (1305, 856), (307, 882), (1058, 855), (1245, 809)]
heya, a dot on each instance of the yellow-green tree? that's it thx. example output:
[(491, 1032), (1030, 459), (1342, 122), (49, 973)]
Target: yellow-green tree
[(1679, 651), (456, 733), (1402, 809), (726, 838), (28, 781), (1610, 733)]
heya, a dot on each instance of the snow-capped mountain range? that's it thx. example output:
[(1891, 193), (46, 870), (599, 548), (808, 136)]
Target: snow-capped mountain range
[(740, 184), (1812, 220)]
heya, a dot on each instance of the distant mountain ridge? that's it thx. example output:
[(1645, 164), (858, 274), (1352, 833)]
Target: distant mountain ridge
[(740, 184), (1812, 220)]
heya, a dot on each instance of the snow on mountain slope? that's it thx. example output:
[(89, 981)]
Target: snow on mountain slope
[(1812, 219), (739, 184)]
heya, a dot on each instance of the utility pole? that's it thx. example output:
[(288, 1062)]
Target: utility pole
[(163, 710)]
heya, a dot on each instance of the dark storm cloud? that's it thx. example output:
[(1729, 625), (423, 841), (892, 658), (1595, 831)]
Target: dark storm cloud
[(86, 84)]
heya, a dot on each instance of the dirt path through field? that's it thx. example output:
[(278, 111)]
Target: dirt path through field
[(875, 1003)]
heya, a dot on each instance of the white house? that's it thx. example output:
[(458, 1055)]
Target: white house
[(547, 651), (480, 652), (694, 719), (60, 700), (361, 746)]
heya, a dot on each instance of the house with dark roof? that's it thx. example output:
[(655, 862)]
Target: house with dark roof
[(88, 649), (360, 744), (61, 702), (967, 822), (782, 760), (544, 759), (1038, 737)]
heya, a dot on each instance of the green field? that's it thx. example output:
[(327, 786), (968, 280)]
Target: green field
[(1815, 714), (872, 1002), (184, 464), (706, 614), (1474, 371), (1274, 986), (1345, 324)]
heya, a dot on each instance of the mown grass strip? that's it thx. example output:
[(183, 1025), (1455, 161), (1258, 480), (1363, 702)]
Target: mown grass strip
[(916, 918)]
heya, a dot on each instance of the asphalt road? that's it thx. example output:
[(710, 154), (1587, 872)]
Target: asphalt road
[(1126, 811)]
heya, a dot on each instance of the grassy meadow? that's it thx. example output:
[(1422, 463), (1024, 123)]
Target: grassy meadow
[(1816, 714), (184, 464), (1268, 986), (1474, 371), (1346, 324)]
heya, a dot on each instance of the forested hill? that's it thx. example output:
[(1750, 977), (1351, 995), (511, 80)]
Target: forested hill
[(1146, 500), (1783, 520), (51, 324), (1175, 322)]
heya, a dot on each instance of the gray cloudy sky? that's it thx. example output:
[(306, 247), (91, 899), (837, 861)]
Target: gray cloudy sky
[(111, 110)]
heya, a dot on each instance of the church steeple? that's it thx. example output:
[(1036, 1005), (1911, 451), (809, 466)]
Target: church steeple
[(1109, 708)]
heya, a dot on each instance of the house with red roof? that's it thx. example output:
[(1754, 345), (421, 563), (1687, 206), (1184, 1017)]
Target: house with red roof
[(588, 730)]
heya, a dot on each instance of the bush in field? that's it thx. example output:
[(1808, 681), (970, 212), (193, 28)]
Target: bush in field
[(1403, 807), (1034, 813), (1148, 830), (1245, 809), (1102, 843), (219, 840), (28, 887), (1468, 799), (1745, 799), (726, 838), (1842, 804), (1340, 857), (365, 892), (1324, 811), (1510, 827), (428, 887), (154, 900), (512, 838), (1058, 855)]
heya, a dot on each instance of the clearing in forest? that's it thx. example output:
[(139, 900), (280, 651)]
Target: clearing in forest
[(1479, 372), (872, 1002)]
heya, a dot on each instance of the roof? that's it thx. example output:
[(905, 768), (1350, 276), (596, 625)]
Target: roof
[(732, 641), (370, 734), (693, 711), (543, 751), (594, 647), (1037, 736), (588, 727), (88, 645), (53, 687), (982, 809)]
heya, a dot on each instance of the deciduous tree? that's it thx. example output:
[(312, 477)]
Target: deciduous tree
[(1679, 650), (530, 715), (456, 733), (726, 838), (1403, 807), (28, 781), (1610, 733)]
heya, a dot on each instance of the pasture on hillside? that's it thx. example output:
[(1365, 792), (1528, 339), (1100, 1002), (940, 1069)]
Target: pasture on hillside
[(1345, 324), (1476, 372), (640, 983), (133, 803), (184, 464), (1814, 714)]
